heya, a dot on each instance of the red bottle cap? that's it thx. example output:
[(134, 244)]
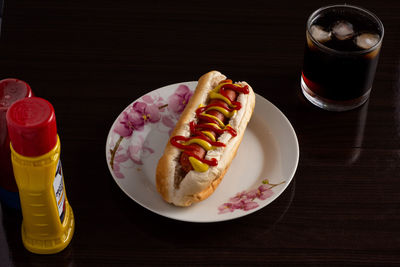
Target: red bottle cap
[(32, 126), (12, 90)]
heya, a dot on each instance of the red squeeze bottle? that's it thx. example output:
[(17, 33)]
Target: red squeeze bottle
[(11, 90)]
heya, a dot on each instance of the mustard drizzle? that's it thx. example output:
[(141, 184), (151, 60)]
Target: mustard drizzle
[(198, 165), (209, 135)]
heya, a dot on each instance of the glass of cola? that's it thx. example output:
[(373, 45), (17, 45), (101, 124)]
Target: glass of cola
[(341, 55)]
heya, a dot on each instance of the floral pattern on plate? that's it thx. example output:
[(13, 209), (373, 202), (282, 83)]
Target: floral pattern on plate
[(245, 200), (149, 109)]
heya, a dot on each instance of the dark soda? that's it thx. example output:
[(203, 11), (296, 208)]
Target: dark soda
[(341, 55)]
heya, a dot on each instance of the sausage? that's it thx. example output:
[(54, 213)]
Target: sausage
[(184, 160), (198, 150)]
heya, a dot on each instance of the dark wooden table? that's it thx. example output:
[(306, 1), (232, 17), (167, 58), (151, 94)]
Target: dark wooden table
[(91, 59)]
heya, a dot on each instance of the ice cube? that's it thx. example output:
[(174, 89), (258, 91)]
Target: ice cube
[(343, 30), (320, 34), (367, 40)]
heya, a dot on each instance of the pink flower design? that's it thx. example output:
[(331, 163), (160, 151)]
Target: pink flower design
[(250, 205), (177, 102), (225, 208), (264, 191), (124, 126), (168, 121), (151, 108), (148, 99), (139, 150), (239, 196), (148, 112), (134, 154), (136, 117), (246, 200), (117, 160), (117, 171)]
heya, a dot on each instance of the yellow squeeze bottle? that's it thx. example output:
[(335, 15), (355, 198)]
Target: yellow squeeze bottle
[(48, 221)]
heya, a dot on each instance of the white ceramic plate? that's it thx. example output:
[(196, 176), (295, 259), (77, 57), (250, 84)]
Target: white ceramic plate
[(262, 169)]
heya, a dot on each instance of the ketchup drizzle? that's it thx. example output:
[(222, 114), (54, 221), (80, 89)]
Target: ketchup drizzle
[(195, 129), (175, 141)]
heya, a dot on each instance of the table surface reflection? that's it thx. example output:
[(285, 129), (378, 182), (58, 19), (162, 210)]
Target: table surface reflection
[(91, 59)]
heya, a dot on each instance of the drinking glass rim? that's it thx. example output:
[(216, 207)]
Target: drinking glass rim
[(322, 46)]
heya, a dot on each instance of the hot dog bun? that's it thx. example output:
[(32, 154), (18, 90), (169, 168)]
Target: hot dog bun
[(184, 189)]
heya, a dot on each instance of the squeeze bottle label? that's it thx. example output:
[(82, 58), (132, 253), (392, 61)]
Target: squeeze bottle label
[(58, 186)]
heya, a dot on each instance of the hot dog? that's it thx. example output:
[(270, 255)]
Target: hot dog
[(205, 139)]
